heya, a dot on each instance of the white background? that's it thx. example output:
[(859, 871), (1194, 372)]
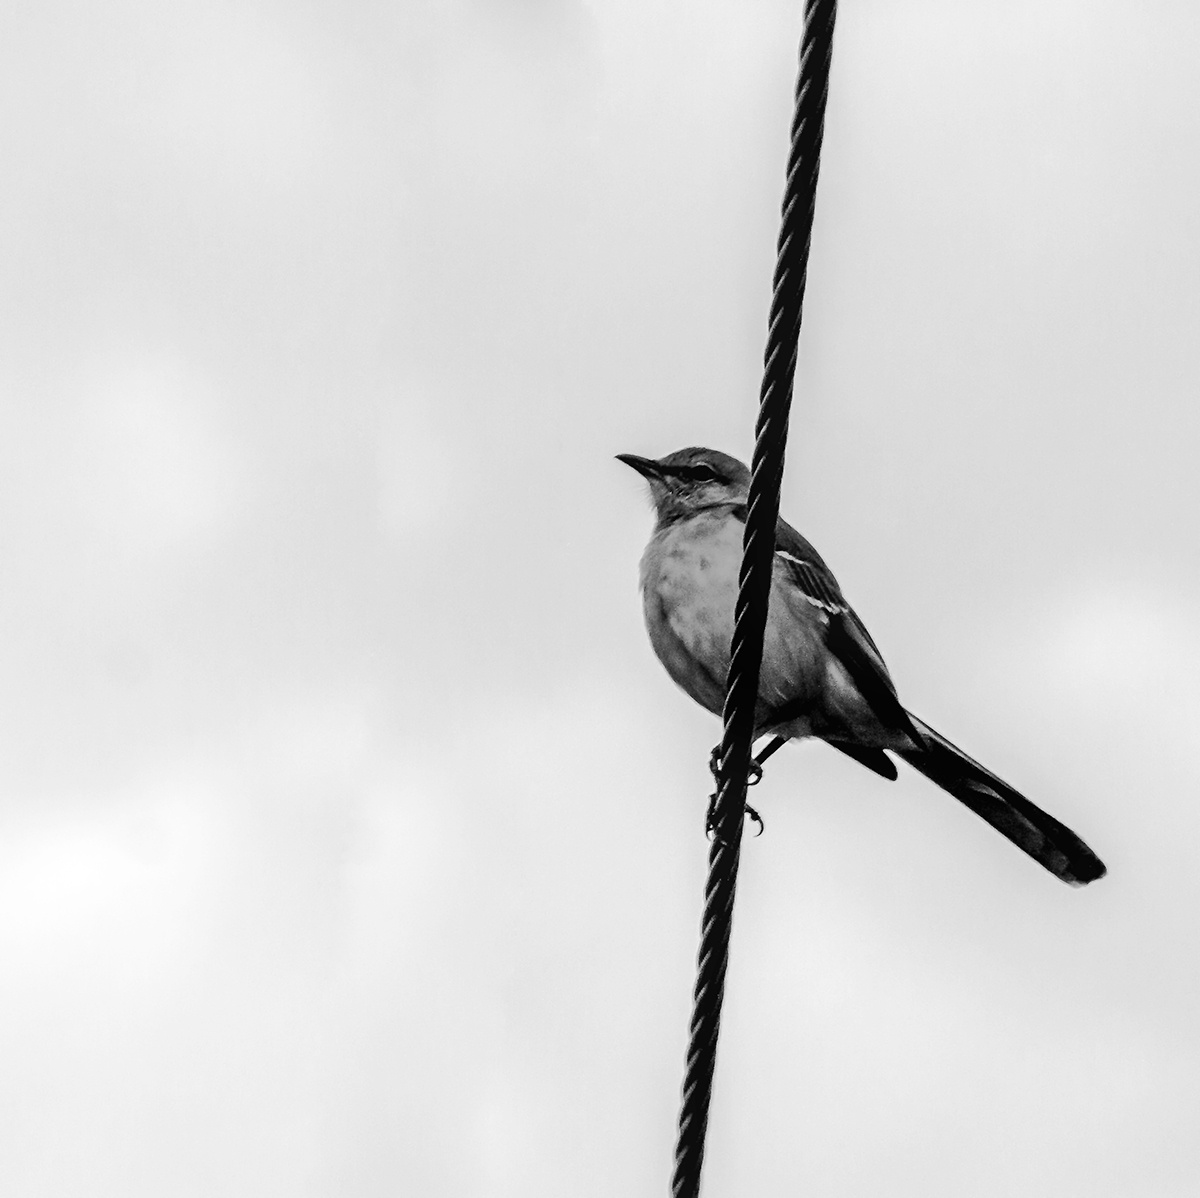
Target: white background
[(350, 835)]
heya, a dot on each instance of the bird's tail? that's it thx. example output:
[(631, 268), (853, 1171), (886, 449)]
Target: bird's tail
[(1048, 842)]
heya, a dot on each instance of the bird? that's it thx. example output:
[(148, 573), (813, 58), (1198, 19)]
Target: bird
[(822, 675)]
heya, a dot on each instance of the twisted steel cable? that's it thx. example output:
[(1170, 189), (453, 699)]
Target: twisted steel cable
[(741, 696)]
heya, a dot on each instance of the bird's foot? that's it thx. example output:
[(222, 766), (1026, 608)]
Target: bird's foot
[(754, 771), (758, 819), (710, 820)]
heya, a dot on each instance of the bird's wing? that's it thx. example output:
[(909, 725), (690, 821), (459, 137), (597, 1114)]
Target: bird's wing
[(847, 637), (816, 581), (809, 572)]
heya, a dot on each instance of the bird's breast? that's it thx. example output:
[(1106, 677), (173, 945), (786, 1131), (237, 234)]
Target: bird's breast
[(689, 593), (689, 588)]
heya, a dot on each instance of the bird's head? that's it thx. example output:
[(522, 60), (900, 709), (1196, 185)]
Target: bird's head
[(690, 480)]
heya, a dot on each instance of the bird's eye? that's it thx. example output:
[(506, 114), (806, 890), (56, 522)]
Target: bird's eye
[(704, 474)]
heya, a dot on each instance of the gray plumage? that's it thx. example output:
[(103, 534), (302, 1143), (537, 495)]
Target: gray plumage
[(822, 674)]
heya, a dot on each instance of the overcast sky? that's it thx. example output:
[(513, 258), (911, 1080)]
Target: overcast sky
[(351, 838)]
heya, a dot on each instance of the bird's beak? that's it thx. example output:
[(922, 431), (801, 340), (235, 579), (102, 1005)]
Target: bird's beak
[(647, 467)]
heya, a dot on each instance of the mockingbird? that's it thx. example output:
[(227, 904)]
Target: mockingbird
[(822, 674)]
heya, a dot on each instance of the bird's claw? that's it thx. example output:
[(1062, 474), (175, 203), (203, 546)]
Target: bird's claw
[(754, 775), (754, 771), (710, 820)]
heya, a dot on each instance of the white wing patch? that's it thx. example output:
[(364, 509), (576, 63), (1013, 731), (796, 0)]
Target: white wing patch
[(832, 608), (824, 605)]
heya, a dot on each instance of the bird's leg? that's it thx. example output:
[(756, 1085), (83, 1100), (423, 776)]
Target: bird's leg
[(754, 770), (777, 743), (714, 764), (753, 777), (756, 773)]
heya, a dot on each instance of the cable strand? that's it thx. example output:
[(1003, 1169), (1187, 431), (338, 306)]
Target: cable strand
[(754, 583)]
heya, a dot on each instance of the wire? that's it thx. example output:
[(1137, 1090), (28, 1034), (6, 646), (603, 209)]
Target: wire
[(741, 696)]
